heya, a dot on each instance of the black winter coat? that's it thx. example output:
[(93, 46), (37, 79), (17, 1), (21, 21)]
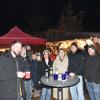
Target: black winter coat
[(43, 70), (92, 68), (76, 63), (8, 78), (36, 72)]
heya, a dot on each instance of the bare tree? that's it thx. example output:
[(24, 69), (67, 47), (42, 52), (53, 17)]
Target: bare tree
[(71, 22), (35, 20)]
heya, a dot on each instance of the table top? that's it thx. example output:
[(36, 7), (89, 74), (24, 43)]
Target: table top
[(60, 83)]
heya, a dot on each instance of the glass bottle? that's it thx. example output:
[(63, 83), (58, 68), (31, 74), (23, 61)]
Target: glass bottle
[(46, 73), (56, 70), (51, 71)]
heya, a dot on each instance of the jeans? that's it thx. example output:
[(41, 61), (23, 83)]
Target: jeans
[(77, 90), (45, 94), (28, 89), (93, 90)]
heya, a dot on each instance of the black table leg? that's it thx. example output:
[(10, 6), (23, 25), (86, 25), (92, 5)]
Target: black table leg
[(61, 93), (57, 93), (59, 90)]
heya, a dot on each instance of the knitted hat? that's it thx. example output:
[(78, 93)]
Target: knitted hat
[(92, 46), (74, 44), (45, 51)]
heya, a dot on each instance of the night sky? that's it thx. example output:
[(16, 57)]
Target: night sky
[(20, 12)]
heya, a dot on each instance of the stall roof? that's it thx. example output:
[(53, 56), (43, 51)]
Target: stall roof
[(17, 34)]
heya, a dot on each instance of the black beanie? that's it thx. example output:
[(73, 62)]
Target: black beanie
[(92, 46), (74, 44)]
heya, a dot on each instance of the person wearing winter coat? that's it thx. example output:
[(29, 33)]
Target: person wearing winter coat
[(92, 73), (60, 65), (27, 81), (36, 74), (76, 67), (46, 66), (11, 73)]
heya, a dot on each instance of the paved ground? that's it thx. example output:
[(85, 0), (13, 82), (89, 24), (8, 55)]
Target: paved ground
[(85, 91), (38, 98)]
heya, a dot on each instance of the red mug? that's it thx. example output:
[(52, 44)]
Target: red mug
[(27, 75)]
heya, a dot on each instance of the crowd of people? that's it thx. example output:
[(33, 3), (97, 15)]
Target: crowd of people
[(21, 70)]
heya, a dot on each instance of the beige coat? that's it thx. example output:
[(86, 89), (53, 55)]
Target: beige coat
[(61, 66)]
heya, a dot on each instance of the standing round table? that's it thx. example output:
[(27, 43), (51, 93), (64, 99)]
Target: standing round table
[(60, 84)]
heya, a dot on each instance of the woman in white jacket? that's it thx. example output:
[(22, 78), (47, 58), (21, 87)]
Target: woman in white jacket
[(61, 65)]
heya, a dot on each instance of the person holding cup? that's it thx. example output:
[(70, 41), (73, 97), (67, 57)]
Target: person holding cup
[(27, 82), (60, 66), (11, 73), (76, 67)]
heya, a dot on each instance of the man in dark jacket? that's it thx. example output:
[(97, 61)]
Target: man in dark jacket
[(92, 73), (36, 74), (11, 73), (76, 64), (27, 69)]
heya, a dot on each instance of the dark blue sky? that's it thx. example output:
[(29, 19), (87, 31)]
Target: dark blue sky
[(17, 12)]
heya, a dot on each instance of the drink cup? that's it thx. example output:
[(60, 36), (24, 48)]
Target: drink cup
[(55, 76), (67, 74), (27, 75), (63, 76), (20, 74)]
